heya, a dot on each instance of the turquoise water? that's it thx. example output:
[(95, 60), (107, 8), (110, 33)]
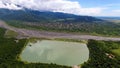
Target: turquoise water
[(58, 52)]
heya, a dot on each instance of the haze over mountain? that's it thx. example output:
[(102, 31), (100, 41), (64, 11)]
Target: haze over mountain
[(44, 16)]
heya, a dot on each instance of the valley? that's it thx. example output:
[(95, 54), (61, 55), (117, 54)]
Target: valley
[(60, 22), (45, 39), (59, 34), (26, 33)]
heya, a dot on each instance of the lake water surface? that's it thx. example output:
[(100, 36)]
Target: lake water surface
[(58, 52)]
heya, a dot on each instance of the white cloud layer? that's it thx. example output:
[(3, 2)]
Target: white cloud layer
[(116, 11), (65, 6), (8, 6)]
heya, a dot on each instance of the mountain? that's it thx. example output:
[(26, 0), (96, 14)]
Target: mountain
[(109, 18), (44, 16), (60, 22)]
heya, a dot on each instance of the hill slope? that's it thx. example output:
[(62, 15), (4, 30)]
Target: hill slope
[(60, 22), (43, 16)]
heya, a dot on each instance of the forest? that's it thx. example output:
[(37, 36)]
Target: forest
[(9, 54), (102, 55)]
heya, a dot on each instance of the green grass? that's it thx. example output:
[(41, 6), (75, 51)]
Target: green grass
[(2, 32), (10, 33), (70, 40), (116, 51), (33, 40)]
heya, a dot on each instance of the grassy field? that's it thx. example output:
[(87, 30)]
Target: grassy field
[(10, 33), (116, 51), (71, 40), (116, 21)]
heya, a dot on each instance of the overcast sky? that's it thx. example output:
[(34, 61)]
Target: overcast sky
[(79, 7)]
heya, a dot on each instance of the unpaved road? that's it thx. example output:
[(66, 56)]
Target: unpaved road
[(47, 34)]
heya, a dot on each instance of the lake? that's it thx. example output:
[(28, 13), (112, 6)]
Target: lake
[(58, 52)]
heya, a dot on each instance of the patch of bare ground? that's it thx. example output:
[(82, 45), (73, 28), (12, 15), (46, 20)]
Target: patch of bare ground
[(76, 66)]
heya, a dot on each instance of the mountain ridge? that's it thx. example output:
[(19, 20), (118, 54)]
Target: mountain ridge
[(59, 22), (41, 16)]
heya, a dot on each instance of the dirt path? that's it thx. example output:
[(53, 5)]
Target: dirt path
[(47, 34), (76, 66)]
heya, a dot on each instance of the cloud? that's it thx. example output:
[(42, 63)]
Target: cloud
[(116, 11), (112, 5), (9, 6), (110, 12), (65, 6)]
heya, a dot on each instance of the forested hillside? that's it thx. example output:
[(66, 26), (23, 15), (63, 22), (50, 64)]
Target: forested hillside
[(44, 16)]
